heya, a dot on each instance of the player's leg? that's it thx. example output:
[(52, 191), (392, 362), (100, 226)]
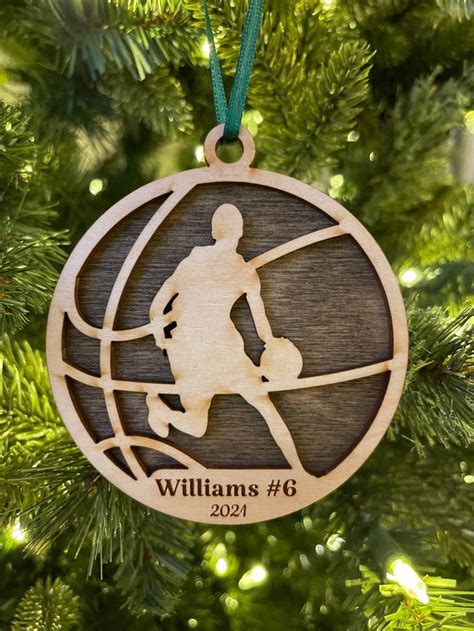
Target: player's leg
[(277, 427), (192, 421)]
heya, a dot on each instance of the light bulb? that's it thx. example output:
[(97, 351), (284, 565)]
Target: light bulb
[(221, 567), (257, 575), (402, 573), (409, 277), (205, 49)]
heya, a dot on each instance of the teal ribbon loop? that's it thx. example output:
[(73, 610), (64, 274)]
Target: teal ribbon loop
[(230, 114)]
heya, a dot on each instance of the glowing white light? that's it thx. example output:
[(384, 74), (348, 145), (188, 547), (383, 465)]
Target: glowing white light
[(402, 573), (335, 542), (193, 623), (254, 577), (258, 573), (96, 186), (409, 277), (221, 567), (231, 603), (17, 534), (337, 180), (353, 136), (199, 153), (205, 49)]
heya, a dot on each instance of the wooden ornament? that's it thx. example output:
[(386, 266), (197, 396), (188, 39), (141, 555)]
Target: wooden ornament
[(227, 344)]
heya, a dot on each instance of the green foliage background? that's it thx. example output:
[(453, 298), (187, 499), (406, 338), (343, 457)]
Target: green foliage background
[(372, 102)]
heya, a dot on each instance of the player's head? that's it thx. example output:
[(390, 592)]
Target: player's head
[(227, 223)]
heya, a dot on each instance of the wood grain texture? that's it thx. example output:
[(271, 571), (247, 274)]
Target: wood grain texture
[(335, 299)]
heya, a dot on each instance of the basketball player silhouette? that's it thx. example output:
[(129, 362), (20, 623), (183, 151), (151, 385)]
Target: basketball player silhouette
[(205, 350)]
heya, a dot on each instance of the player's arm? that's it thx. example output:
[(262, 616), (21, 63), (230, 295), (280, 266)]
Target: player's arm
[(162, 298), (257, 308)]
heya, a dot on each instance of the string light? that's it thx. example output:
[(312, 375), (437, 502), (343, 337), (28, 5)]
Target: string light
[(96, 186), (219, 559), (254, 577), (221, 567), (335, 542), (409, 277), (199, 153), (401, 572), (231, 603), (17, 533), (205, 50)]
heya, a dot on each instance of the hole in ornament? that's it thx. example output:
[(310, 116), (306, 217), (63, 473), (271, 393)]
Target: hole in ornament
[(229, 152), (80, 351), (116, 456), (140, 360), (99, 272), (244, 323), (90, 406), (173, 401), (133, 413), (169, 306), (168, 328), (151, 460)]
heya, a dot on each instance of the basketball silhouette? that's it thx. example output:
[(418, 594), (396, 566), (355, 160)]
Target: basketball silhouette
[(281, 360)]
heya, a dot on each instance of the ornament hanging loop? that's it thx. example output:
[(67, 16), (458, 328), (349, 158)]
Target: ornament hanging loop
[(216, 136)]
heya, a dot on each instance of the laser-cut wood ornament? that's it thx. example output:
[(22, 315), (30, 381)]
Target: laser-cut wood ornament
[(227, 344)]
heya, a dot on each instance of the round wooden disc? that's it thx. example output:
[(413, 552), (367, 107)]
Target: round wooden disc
[(227, 344)]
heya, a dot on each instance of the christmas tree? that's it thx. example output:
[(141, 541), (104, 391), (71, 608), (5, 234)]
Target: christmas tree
[(370, 101)]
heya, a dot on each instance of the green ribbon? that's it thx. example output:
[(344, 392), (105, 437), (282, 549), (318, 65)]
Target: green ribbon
[(230, 114)]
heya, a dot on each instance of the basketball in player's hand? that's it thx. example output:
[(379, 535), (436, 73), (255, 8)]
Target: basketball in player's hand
[(281, 360)]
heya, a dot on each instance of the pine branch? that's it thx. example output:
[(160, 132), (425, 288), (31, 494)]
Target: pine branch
[(65, 494), (100, 34), (411, 162), (445, 231), (460, 9), (158, 101), (414, 35), (47, 484), (337, 91), (426, 505), (375, 11), (389, 608), (156, 561), (48, 606), (30, 250), (28, 415), (435, 406)]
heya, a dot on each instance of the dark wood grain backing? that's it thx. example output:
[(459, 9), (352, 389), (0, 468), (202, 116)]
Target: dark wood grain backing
[(326, 298)]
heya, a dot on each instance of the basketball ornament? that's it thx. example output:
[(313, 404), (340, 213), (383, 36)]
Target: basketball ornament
[(227, 344)]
